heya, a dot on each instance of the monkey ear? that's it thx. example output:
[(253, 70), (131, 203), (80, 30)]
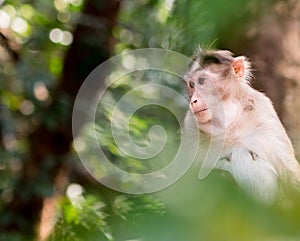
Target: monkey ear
[(238, 67)]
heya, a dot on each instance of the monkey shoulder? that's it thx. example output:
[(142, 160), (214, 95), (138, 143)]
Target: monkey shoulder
[(255, 100), (258, 122), (257, 107)]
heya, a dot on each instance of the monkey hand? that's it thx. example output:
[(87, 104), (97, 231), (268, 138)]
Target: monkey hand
[(252, 153)]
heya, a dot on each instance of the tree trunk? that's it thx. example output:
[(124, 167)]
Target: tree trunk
[(48, 145), (273, 44), (289, 70)]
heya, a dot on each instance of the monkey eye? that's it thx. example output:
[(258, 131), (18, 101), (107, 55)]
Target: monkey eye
[(191, 84), (201, 81)]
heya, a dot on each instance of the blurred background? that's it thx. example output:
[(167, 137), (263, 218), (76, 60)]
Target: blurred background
[(48, 48)]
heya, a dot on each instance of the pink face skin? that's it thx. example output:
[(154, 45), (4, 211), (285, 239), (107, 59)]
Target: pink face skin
[(199, 108), (200, 90)]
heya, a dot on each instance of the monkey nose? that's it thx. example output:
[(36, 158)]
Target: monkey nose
[(193, 101)]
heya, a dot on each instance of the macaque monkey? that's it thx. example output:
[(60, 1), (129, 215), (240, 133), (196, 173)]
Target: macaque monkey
[(256, 150)]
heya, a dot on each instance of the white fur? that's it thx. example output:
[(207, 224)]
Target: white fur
[(257, 178), (258, 131), (242, 125)]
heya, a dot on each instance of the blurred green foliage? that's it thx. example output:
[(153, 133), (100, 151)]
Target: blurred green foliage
[(141, 94), (26, 82), (190, 210), (90, 217), (31, 62)]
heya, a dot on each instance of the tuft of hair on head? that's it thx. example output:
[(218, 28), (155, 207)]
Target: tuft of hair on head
[(240, 66), (216, 57), (198, 55)]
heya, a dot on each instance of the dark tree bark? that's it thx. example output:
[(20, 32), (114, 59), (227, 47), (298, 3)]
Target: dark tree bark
[(272, 42), (289, 71), (50, 144)]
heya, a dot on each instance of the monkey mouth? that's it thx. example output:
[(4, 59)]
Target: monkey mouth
[(199, 111)]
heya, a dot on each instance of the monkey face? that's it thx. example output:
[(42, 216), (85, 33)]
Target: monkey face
[(203, 95)]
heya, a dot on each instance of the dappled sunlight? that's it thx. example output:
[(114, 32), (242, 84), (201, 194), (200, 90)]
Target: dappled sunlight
[(54, 144)]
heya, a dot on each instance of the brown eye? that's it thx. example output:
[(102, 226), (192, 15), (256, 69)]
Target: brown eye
[(201, 81), (191, 84)]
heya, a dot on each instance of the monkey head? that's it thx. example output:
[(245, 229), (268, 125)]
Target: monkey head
[(213, 83)]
